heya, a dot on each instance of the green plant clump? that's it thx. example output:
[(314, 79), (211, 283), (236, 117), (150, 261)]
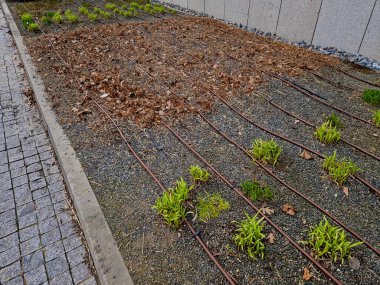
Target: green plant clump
[(334, 121), (376, 118), (71, 17), (26, 19), (127, 14), (327, 134), (110, 6), (170, 204), (172, 11), (198, 174), (266, 151), (255, 192), (57, 18), (92, 17), (105, 14), (330, 242), (46, 20), (83, 10), (249, 236), (33, 27), (339, 170), (135, 5), (372, 96), (209, 206)]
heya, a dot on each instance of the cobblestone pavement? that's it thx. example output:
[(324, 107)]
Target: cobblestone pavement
[(40, 241)]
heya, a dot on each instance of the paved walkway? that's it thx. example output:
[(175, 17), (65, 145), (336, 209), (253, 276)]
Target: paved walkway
[(40, 242)]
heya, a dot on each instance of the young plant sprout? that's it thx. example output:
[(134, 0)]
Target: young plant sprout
[(266, 151), (33, 27), (172, 11), (372, 96), (328, 241), (327, 134), (376, 118), (198, 174), (127, 14), (57, 18), (83, 10), (71, 17), (339, 170), (210, 206), (249, 236), (92, 17), (255, 192), (26, 19), (170, 204), (334, 121), (134, 5), (105, 14), (110, 6), (46, 20)]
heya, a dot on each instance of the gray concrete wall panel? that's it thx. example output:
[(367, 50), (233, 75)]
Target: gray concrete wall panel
[(298, 19), (342, 23), (263, 15), (215, 8), (236, 11), (197, 5), (371, 42)]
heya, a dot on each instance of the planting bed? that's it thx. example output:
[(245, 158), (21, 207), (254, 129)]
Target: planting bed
[(160, 71)]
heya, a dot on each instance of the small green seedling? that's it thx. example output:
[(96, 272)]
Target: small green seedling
[(71, 17), (83, 10), (170, 204), (33, 27), (172, 11), (97, 10), (249, 236), (46, 20), (127, 14), (50, 14), (105, 14), (327, 134), (334, 121), (148, 6), (266, 151), (135, 5), (199, 174), (376, 118), (26, 19), (110, 6), (339, 170), (210, 206), (372, 96), (328, 241), (57, 18), (255, 192), (92, 17)]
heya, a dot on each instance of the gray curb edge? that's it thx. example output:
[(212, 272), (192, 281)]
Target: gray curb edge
[(109, 264)]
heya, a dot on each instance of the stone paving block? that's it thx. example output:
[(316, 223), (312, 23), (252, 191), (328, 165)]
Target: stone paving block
[(80, 273), (10, 272), (72, 242), (32, 159), (343, 30), (76, 256), (30, 246), (25, 209), (5, 181), (47, 225), (293, 27), (33, 260), (263, 15), (28, 233), (16, 164), (45, 213), (50, 237), (18, 172), (9, 256), (64, 217), (23, 194), (27, 220), (371, 41), (9, 242), (7, 205), (57, 266), (43, 202), (16, 281), (43, 192), (36, 276), (236, 11), (57, 197), (90, 281), (56, 187), (7, 228), (21, 180), (54, 250), (34, 167), (67, 229), (6, 195), (13, 142), (62, 279), (54, 178), (8, 216), (215, 8)]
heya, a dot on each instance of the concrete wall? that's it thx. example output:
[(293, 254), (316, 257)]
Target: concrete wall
[(350, 25)]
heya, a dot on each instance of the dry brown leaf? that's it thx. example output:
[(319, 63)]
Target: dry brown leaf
[(271, 238), (267, 211), (289, 209), (306, 274), (306, 155), (345, 190)]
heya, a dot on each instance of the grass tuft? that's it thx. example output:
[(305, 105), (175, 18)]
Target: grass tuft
[(199, 174), (266, 151), (371, 96), (210, 206), (33, 27), (327, 134), (26, 19), (249, 236), (376, 118), (57, 18), (92, 17), (83, 10), (329, 241), (334, 121), (170, 204), (339, 170), (255, 192), (110, 6)]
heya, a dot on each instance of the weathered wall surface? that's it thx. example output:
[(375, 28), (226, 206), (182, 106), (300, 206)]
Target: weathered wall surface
[(350, 25)]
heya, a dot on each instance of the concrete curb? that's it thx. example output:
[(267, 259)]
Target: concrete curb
[(106, 256)]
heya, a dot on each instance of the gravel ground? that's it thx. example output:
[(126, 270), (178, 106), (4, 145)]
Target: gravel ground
[(126, 192)]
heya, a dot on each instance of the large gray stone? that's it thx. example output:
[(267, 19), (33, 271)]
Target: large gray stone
[(342, 23), (215, 8), (196, 5), (236, 11), (371, 41), (263, 15), (298, 19)]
